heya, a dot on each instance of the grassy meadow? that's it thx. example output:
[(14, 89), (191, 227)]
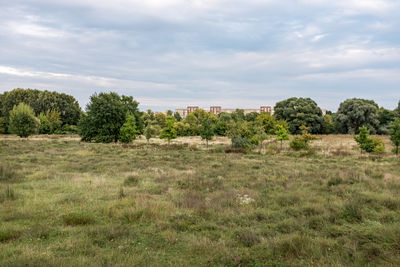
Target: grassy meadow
[(68, 203)]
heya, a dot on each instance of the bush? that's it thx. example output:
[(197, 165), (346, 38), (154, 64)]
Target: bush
[(2, 130), (128, 131), (50, 122), (299, 143), (241, 142), (23, 121), (368, 144), (106, 114)]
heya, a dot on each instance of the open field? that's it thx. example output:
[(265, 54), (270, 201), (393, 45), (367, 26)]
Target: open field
[(67, 203)]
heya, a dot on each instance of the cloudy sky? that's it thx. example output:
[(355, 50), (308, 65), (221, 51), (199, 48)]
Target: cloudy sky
[(174, 53)]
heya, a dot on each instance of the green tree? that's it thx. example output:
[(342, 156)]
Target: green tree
[(281, 134), (177, 116), (385, 117), (41, 101), (207, 129), (397, 111), (267, 121), (161, 119), (354, 113), (169, 131), (105, 115), (128, 131), (367, 143), (50, 122), (298, 112), (328, 126), (182, 128), (151, 130), (240, 134), (2, 130), (23, 121), (395, 135)]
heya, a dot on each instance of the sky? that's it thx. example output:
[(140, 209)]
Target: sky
[(169, 54)]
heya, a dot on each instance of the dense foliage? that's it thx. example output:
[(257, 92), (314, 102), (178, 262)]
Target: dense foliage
[(298, 112), (395, 135), (354, 113), (23, 121), (369, 144), (41, 102), (105, 115)]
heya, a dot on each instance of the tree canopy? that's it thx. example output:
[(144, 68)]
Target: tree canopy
[(354, 113), (105, 115), (298, 112), (41, 101)]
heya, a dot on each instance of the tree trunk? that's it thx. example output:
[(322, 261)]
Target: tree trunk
[(281, 144)]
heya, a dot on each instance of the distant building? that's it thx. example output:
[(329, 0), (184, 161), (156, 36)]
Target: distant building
[(218, 110)]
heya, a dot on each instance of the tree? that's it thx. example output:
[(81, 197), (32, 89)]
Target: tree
[(169, 131), (128, 131), (385, 117), (161, 119), (177, 116), (367, 143), (23, 121), (50, 122), (105, 115), (328, 126), (397, 111), (267, 121), (2, 130), (170, 113), (207, 129), (41, 101), (151, 130), (240, 134), (395, 135), (298, 112), (281, 134), (354, 113)]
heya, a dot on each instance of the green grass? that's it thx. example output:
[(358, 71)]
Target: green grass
[(68, 203)]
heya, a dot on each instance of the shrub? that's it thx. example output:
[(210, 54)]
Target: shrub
[(299, 143), (368, 144), (23, 121), (50, 122), (241, 142), (395, 135), (128, 131), (2, 130)]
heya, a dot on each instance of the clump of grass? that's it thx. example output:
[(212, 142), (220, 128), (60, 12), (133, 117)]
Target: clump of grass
[(335, 181), (78, 218), (6, 173), (352, 213), (247, 238), (131, 180), (121, 193), (8, 235)]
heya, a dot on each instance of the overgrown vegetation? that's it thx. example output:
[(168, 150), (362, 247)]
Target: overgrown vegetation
[(185, 205)]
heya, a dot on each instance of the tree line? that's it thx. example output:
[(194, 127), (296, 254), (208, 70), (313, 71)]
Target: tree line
[(110, 117)]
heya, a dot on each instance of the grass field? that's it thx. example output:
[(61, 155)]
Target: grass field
[(67, 203)]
